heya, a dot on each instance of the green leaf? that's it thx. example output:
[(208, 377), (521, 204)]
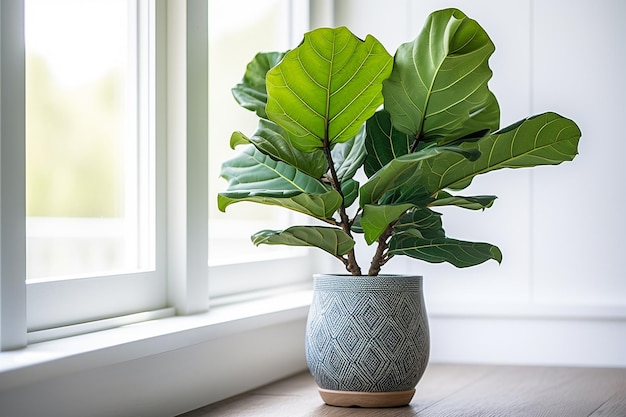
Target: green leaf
[(321, 206), (438, 87), (375, 219), (325, 89), (546, 139), (383, 142), (459, 253), (397, 173), (254, 176), (480, 202), (423, 221), (238, 138), (332, 240), (471, 153), (350, 191), (348, 156), (419, 234), (251, 93), (271, 140)]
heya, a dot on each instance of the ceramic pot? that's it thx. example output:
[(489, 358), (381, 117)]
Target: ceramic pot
[(367, 339)]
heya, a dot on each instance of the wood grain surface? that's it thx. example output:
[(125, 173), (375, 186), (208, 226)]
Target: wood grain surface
[(454, 390)]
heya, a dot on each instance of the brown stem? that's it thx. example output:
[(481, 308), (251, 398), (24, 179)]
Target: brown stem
[(352, 265), (379, 258)]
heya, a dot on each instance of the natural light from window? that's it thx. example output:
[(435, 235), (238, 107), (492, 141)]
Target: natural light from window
[(86, 184)]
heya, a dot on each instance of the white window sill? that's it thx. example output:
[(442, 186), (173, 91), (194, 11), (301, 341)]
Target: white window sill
[(54, 358)]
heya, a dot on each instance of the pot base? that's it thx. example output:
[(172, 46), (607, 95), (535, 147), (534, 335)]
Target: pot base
[(366, 399)]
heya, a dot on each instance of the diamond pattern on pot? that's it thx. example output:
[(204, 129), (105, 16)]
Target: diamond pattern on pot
[(350, 342), (404, 310), (369, 339), (353, 380), (334, 361), (335, 311), (392, 339), (320, 337), (369, 315), (375, 362)]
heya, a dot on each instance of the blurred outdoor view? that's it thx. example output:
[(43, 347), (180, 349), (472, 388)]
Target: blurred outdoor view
[(78, 119)]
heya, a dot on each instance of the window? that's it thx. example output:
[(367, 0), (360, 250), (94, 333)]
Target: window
[(90, 161), (105, 194), (84, 181), (86, 186)]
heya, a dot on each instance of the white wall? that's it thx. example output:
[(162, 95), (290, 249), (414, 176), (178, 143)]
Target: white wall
[(559, 296)]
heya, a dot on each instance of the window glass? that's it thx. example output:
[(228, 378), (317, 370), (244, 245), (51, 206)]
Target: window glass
[(83, 174)]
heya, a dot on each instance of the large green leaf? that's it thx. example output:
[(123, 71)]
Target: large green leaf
[(332, 240), (326, 88), (251, 93), (376, 218), (420, 235), (270, 139), (383, 142), (321, 206), (254, 176), (398, 173), (457, 252), (545, 139), (438, 87)]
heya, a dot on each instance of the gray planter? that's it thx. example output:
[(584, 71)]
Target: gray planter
[(367, 335)]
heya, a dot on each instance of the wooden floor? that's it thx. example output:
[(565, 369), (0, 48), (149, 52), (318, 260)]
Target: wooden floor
[(454, 390)]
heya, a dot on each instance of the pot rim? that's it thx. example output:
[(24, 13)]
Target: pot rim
[(349, 276), (365, 283)]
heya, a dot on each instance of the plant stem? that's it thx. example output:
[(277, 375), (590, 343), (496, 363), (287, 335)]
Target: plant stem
[(379, 258), (351, 265)]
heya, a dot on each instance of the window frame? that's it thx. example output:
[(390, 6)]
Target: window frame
[(12, 177), (53, 303)]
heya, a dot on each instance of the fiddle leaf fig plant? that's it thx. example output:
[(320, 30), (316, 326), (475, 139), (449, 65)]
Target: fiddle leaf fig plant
[(419, 126)]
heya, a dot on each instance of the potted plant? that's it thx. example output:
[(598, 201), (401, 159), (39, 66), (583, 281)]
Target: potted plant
[(419, 126)]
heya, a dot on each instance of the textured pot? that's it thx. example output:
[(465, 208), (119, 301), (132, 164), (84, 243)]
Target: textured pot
[(367, 339)]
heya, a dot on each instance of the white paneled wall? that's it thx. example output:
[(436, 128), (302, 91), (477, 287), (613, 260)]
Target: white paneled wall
[(580, 67), (559, 295)]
